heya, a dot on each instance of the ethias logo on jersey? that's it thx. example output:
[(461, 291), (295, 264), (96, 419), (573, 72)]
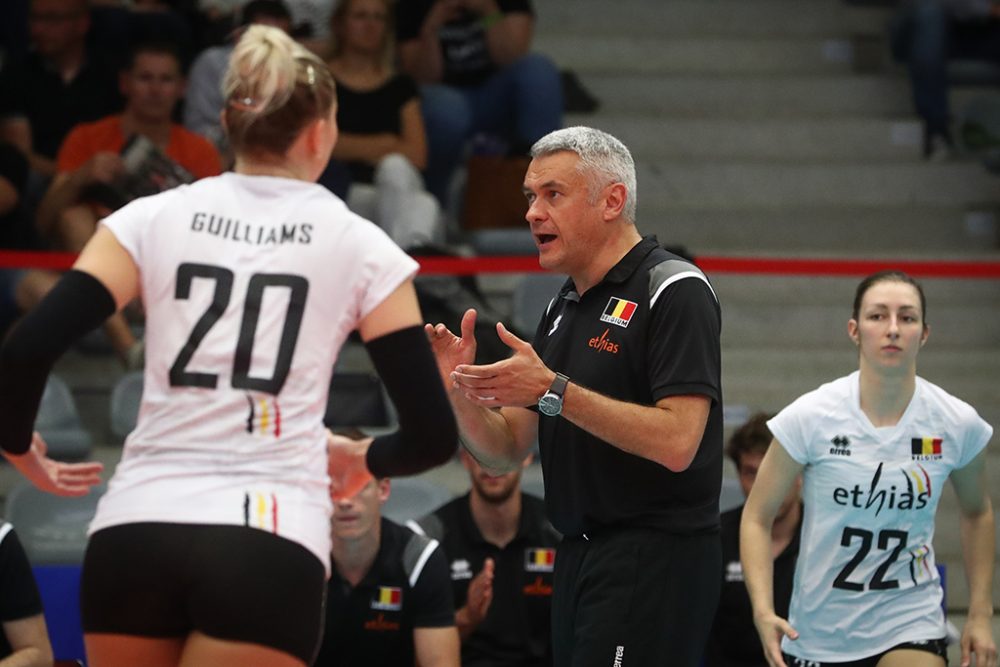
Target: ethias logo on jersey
[(913, 496), (603, 344)]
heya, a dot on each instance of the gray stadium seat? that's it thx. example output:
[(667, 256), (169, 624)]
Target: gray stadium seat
[(358, 400), (52, 529), (503, 241), (530, 299), (412, 498), (125, 398), (731, 496), (59, 422)]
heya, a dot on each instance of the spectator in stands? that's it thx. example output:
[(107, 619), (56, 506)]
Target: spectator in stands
[(388, 603), (25, 639), (311, 20), (152, 84), (203, 102), (382, 142), (118, 26), (16, 232), (61, 83), (502, 551), (472, 59), (925, 35), (733, 641)]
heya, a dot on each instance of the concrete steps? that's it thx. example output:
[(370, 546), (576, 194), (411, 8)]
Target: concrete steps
[(673, 184), (682, 54), (844, 231), (708, 18), (830, 139)]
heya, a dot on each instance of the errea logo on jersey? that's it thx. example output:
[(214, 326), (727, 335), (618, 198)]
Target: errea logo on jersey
[(460, 569), (841, 444), (619, 311)]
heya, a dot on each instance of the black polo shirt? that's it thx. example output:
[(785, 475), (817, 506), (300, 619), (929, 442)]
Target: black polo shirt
[(650, 329), (464, 50), (516, 630), (406, 588), (733, 641), (20, 598), (31, 89)]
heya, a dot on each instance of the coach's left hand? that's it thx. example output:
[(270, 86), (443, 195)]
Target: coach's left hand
[(520, 380)]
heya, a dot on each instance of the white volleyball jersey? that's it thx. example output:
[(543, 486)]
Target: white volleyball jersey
[(251, 284), (866, 579)]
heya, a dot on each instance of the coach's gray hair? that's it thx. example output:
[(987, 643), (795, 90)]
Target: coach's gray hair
[(603, 159)]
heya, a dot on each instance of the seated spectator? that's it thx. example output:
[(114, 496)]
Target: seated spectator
[(382, 142), (89, 165), (388, 602), (121, 25), (472, 59), (59, 84), (203, 102), (733, 641), (25, 638), (925, 35), (16, 231), (311, 20), (502, 551)]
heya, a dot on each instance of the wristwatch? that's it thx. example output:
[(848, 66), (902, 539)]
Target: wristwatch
[(551, 402)]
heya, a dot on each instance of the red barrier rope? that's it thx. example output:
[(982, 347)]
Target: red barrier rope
[(467, 266)]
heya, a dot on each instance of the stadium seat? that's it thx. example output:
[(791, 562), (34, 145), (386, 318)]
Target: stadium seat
[(358, 401), (731, 496), (530, 299), (59, 422), (412, 498), (53, 529), (125, 398)]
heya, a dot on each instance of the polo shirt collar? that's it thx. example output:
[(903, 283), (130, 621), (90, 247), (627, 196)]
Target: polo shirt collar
[(525, 527), (628, 264)]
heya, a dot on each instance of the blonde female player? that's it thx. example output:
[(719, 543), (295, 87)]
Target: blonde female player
[(211, 545), (875, 449)]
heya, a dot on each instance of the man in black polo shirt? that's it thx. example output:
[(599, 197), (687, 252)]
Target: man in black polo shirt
[(734, 641), (502, 551), (622, 388), (388, 602), (59, 84)]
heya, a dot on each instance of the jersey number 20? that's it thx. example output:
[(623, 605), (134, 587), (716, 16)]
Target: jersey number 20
[(298, 289)]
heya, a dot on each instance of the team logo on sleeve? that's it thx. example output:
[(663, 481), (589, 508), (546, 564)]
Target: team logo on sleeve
[(388, 598), (926, 449), (619, 311), (539, 560)]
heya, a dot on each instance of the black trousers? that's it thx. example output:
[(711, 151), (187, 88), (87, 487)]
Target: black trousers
[(634, 598)]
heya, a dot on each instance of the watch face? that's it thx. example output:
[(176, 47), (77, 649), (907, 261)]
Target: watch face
[(550, 404)]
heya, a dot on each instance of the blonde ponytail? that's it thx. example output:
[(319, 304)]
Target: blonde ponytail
[(274, 87)]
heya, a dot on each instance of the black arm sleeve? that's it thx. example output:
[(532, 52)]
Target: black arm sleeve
[(427, 434), (76, 305)]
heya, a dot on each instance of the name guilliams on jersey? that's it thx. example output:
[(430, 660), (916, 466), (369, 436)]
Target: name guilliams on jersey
[(233, 229)]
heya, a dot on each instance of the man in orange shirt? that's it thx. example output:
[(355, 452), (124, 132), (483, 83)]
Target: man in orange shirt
[(89, 160)]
